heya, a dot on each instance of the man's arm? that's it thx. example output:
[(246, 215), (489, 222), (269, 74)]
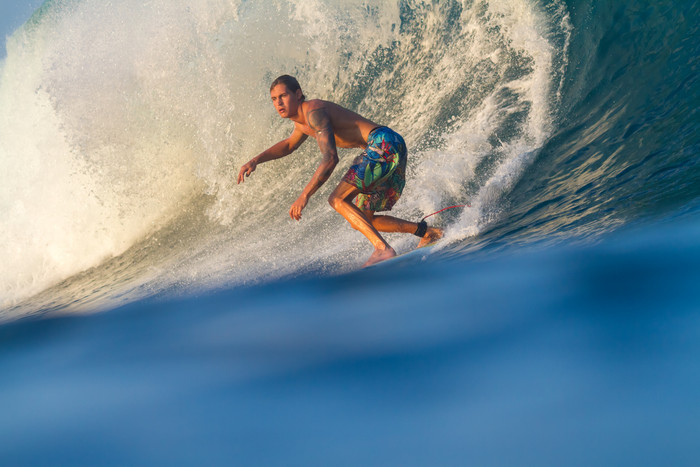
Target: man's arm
[(320, 122), (276, 151)]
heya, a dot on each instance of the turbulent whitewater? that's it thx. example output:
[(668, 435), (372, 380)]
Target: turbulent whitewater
[(124, 124)]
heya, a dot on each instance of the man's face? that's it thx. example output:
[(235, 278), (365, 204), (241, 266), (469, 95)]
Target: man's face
[(285, 101)]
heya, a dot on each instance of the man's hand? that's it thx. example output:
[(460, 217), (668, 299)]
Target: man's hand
[(298, 206), (246, 170)]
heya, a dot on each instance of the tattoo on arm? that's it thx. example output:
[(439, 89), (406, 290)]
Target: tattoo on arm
[(319, 121)]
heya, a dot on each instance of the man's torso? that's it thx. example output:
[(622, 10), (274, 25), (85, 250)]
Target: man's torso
[(350, 129)]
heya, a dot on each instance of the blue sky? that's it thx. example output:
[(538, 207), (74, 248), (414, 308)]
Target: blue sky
[(13, 13)]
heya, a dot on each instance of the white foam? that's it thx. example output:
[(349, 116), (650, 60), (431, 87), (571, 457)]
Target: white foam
[(113, 116)]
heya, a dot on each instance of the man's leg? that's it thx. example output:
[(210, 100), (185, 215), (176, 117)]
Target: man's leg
[(341, 201), (394, 224)]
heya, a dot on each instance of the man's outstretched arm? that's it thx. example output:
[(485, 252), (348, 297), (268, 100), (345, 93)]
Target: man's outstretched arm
[(276, 151), (320, 122)]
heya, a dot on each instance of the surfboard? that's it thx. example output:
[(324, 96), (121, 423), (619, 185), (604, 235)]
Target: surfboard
[(417, 254)]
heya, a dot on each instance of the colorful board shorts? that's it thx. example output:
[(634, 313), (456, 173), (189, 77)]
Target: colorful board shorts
[(379, 172)]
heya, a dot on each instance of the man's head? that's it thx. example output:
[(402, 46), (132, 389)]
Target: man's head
[(291, 83), (286, 95)]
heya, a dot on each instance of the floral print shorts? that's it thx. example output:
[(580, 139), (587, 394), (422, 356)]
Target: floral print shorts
[(379, 172)]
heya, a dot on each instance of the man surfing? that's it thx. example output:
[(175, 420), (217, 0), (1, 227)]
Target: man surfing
[(375, 180)]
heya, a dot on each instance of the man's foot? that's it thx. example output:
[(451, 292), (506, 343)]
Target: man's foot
[(432, 235), (380, 255)]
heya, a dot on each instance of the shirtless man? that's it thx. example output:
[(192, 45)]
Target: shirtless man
[(375, 179)]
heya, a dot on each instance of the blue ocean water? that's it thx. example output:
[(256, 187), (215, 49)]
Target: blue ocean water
[(155, 313)]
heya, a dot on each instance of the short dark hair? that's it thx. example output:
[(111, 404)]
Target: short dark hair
[(289, 81)]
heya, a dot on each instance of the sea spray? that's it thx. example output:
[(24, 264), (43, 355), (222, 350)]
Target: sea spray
[(124, 126)]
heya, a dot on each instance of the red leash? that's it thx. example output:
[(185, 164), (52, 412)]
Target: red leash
[(445, 209)]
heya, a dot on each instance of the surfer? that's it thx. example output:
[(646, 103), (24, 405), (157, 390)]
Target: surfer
[(375, 180)]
